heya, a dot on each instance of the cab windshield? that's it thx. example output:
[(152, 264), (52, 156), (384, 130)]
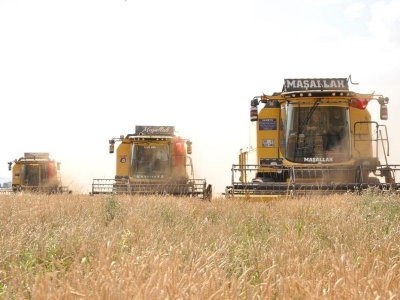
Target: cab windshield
[(150, 161), (317, 134), (34, 174)]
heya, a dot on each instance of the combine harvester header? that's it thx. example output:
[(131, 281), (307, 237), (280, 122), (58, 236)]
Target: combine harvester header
[(314, 137)]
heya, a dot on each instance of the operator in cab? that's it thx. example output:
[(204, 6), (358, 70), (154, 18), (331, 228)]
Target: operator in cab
[(316, 132), (337, 130)]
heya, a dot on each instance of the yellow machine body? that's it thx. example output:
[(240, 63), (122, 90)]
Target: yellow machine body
[(314, 139), (36, 172), (153, 160)]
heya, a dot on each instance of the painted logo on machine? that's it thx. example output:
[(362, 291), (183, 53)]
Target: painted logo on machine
[(318, 159), (315, 84), (122, 159), (155, 130)]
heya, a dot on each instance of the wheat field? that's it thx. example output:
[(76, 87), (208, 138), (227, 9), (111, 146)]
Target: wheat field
[(158, 247)]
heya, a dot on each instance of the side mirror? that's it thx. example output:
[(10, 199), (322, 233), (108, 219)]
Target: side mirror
[(9, 165), (384, 112), (254, 102), (189, 147), (253, 113), (112, 142)]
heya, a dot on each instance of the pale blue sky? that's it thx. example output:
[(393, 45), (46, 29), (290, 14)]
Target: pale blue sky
[(75, 73)]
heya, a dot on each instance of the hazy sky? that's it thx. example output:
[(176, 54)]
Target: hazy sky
[(75, 73)]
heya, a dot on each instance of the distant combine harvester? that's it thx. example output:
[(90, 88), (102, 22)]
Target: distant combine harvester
[(37, 172)]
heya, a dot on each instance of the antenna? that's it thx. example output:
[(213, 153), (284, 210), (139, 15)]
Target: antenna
[(349, 79)]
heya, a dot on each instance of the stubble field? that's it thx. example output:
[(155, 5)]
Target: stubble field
[(154, 247)]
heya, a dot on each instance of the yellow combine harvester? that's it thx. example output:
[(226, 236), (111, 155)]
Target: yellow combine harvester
[(153, 160), (314, 137), (37, 172)]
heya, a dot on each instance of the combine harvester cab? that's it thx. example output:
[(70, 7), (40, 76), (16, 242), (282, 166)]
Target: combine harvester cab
[(153, 160), (37, 172), (314, 137)]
